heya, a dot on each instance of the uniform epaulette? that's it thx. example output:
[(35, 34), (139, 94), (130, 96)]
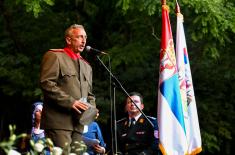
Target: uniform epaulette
[(121, 120), (57, 50), (151, 117)]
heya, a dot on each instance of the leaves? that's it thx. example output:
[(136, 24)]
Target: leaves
[(35, 6), (39, 147), (8, 145)]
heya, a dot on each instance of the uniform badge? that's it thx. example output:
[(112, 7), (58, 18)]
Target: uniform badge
[(141, 120), (140, 133), (156, 134)]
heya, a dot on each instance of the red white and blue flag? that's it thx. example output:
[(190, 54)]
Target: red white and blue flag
[(172, 130), (186, 89)]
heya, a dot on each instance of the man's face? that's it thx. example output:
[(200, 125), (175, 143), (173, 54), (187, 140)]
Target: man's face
[(131, 108), (77, 40)]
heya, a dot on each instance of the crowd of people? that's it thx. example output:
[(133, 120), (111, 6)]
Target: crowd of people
[(66, 83)]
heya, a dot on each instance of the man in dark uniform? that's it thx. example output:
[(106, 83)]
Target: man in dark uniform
[(135, 134)]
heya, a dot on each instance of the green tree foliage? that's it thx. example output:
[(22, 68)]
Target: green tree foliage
[(130, 31), (35, 6)]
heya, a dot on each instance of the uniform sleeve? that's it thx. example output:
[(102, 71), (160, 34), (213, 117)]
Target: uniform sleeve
[(48, 81), (155, 145), (100, 137)]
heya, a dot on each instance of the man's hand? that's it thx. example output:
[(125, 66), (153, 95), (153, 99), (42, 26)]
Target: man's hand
[(80, 106)]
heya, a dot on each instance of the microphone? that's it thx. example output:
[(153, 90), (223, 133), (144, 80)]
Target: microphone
[(93, 50)]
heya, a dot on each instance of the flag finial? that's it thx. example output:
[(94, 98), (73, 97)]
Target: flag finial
[(177, 8), (163, 2)]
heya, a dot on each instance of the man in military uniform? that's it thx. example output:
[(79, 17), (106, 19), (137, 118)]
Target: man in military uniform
[(65, 79), (135, 134)]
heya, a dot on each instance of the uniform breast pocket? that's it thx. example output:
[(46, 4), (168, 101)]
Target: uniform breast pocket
[(68, 74)]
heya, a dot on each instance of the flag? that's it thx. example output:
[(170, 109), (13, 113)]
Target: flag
[(186, 89), (172, 131)]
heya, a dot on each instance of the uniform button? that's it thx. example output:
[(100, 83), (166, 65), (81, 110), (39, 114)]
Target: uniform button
[(126, 146)]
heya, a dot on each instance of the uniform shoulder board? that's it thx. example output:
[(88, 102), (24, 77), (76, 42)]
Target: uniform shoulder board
[(56, 50), (123, 119), (152, 118)]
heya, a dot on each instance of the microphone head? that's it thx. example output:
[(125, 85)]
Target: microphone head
[(88, 48)]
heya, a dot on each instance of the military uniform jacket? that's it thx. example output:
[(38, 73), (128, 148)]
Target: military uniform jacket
[(65, 77), (142, 138)]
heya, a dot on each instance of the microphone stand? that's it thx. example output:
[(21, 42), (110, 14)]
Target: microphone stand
[(114, 118), (122, 88)]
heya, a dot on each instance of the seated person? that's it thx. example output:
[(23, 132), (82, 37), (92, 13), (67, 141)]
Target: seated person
[(37, 133), (93, 138), (135, 134)]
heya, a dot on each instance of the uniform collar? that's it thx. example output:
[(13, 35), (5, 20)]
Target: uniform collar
[(71, 54), (136, 117)]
